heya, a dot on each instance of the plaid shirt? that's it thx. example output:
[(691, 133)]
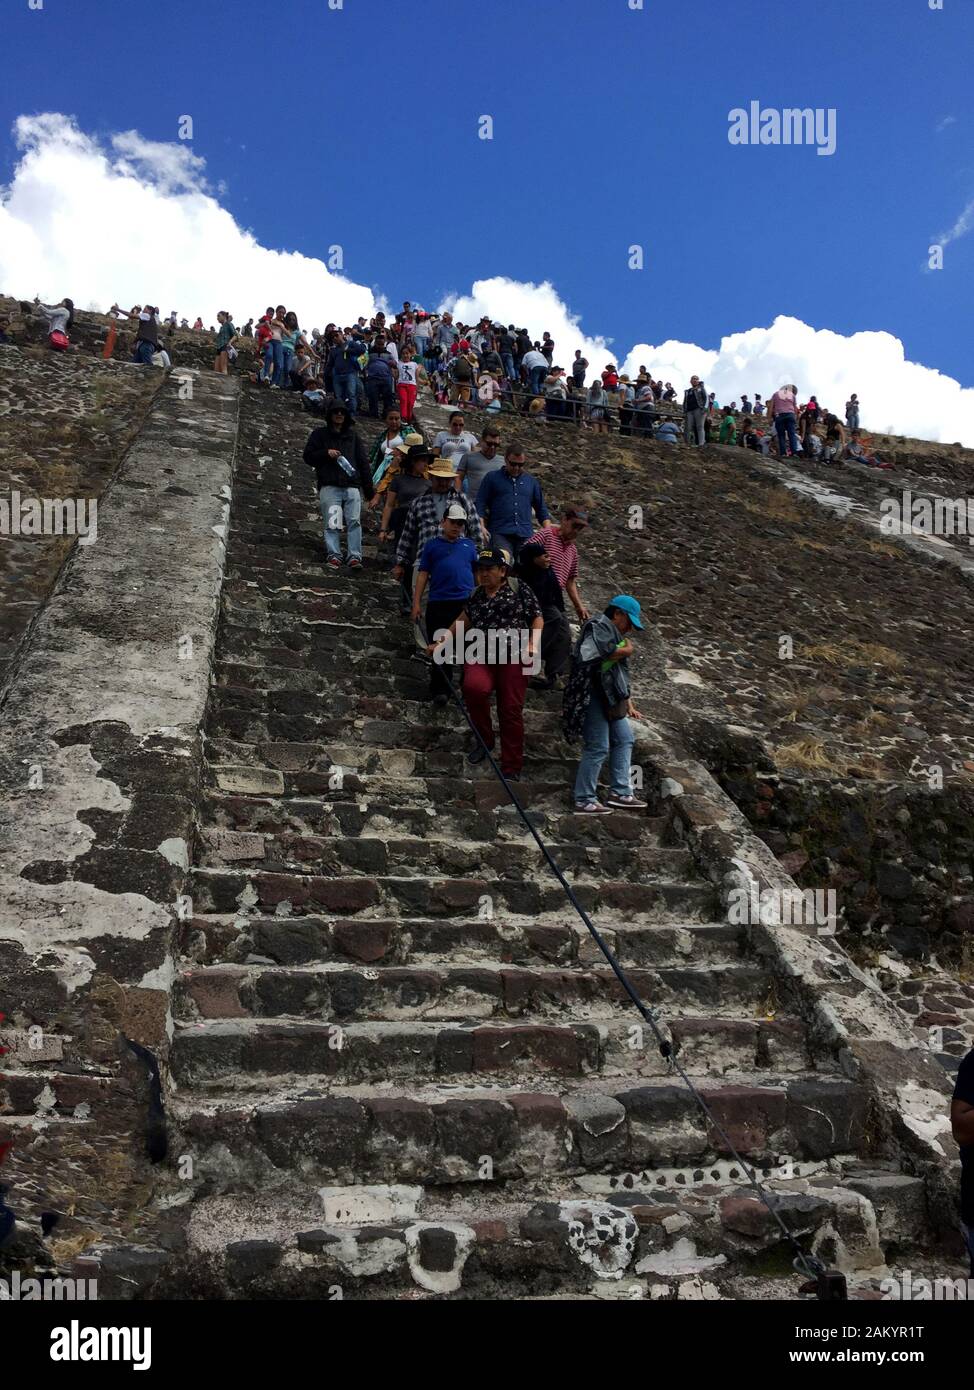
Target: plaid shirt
[(423, 523)]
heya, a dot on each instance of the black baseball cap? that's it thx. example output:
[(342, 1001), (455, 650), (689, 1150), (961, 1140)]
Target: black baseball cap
[(489, 558)]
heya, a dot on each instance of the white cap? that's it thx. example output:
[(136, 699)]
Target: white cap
[(455, 512)]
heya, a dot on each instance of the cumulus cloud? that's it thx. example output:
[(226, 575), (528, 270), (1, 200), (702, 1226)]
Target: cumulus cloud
[(947, 120), (896, 394), (136, 220), (538, 308)]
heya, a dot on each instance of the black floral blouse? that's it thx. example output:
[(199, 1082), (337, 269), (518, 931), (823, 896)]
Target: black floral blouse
[(507, 609)]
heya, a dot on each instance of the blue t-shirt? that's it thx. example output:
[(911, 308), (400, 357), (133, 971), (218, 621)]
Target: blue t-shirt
[(450, 565)]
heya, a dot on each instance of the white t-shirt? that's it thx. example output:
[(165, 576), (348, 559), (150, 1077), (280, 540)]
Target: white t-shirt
[(393, 351), (389, 444), (534, 359), (454, 446), (407, 373)]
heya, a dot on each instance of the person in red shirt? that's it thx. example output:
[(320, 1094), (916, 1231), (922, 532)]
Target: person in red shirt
[(558, 544), (610, 378)]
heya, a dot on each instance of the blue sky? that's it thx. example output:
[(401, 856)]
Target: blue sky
[(359, 126)]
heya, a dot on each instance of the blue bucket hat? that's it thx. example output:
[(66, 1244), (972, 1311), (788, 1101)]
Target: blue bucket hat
[(629, 606)]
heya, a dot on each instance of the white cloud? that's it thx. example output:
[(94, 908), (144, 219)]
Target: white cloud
[(136, 221), (537, 308), (947, 120), (960, 228), (913, 399)]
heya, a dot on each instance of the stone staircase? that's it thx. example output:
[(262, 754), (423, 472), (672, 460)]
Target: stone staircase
[(400, 1065)]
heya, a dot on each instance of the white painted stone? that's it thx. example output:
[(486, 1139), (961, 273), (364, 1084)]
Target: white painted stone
[(601, 1236), (677, 1222), (439, 1281), (176, 851), (697, 1289), (681, 1259), (362, 1205)]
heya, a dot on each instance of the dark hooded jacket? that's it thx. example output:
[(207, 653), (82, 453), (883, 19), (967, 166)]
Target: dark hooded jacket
[(339, 433), (542, 580)]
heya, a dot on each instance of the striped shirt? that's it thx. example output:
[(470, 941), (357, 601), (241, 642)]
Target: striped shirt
[(563, 554)]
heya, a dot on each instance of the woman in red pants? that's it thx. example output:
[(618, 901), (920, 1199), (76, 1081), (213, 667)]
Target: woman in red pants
[(499, 635)]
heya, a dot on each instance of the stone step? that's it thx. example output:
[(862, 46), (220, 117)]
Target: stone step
[(242, 1052), (327, 712), (390, 1242), (459, 993), (346, 818), (224, 890), (655, 1135), (397, 677), (325, 640), (234, 939), (484, 792), (431, 729), (544, 760), (321, 603), (374, 854)]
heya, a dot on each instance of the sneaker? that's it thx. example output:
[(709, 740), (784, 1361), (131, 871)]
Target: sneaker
[(334, 563), (354, 564), (477, 754), (625, 803), (590, 808)]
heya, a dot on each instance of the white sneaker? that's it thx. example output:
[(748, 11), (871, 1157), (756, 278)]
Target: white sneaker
[(590, 808)]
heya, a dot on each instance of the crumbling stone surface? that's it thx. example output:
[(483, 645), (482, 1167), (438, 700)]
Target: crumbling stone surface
[(65, 423), (99, 766)]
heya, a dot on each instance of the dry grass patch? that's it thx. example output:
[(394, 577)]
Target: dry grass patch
[(851, 652), (776, 503), (809, 755)]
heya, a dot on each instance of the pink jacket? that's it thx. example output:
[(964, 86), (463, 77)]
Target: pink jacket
[(782, 402)]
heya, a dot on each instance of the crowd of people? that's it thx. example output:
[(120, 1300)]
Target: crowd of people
[(374, 364), (475, 546), (793, 431), (485, 569)]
